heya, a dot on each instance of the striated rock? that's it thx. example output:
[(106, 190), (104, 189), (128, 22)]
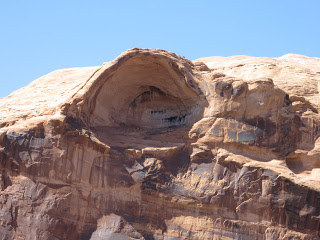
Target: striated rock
[(154, 146)]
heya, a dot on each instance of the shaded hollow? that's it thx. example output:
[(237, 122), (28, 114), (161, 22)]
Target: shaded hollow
[(145, 92)]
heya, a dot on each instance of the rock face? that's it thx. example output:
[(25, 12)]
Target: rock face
[(154, 146)]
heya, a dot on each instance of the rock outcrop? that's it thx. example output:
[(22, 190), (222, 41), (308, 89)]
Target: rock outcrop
[(154, 146)]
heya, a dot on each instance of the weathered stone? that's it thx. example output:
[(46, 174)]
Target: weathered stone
[(154, 146)]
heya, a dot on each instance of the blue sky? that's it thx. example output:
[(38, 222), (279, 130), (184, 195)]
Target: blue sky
[(38, 37)]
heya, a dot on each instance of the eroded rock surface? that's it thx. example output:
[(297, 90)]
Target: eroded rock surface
[(154, 146)]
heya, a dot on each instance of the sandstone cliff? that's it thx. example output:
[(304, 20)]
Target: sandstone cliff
[(154, 146)]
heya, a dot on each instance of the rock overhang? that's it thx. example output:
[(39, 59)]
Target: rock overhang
[(144, 88)]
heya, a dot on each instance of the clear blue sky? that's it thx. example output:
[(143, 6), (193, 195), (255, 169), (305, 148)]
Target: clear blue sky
[(38, 37)]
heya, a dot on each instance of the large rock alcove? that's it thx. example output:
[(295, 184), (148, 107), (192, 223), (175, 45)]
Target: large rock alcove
[(145, 92)]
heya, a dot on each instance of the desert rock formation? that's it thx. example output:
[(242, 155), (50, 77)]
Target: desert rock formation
[(154, 146)]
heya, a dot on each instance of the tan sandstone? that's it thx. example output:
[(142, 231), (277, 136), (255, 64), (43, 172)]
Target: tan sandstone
[(154, 146)]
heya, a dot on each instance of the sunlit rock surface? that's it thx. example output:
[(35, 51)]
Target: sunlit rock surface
[(154, 146)]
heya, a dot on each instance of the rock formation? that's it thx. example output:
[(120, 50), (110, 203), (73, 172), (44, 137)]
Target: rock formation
[(154, 146)]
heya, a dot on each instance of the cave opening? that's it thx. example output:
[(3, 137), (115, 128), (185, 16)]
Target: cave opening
[(144, 102), (145, 93)]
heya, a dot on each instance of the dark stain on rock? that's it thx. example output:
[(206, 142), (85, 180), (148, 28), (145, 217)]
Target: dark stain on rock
[(265, 124)]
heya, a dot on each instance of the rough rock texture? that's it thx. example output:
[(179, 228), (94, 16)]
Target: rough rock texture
[(154, 146)]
